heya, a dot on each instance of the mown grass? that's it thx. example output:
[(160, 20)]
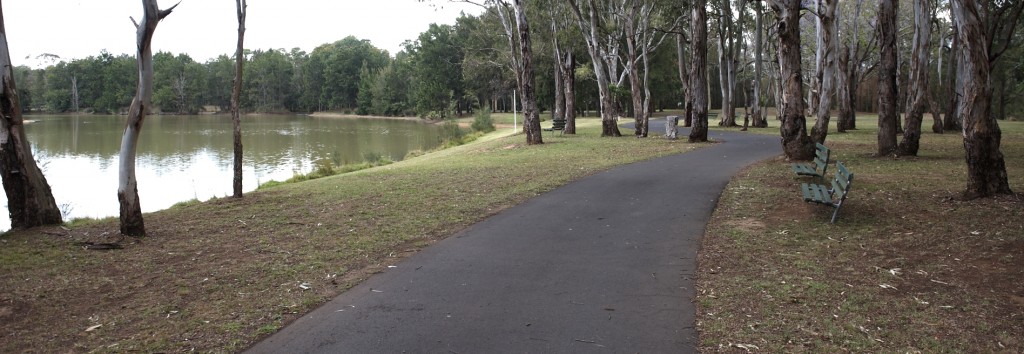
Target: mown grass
[(217, 276), (909, 266)]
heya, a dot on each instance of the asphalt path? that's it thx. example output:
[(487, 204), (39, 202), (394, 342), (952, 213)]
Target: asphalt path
[(604, 264)]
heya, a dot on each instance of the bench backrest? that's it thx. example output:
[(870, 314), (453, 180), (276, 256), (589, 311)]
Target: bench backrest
[(821, 156), (841, 184)]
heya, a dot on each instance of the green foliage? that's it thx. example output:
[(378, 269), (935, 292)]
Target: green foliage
[(482, 122), (364, 101), (451, 131), (437, 61)]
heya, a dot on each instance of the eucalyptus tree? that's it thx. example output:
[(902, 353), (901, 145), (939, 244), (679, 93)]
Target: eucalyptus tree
[(699, 71), (730, 32), (531, 121), (887, 89), (796, 144), (563, 36), (29, 199), (241, 10), (131, 220), (918, 97), (981, 46), (642, 39), (603, 52), (826, 67), (759, 118), (854, 63)]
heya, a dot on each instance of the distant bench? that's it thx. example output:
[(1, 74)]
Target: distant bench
[(557, 124), (834, 196), (820, 163)]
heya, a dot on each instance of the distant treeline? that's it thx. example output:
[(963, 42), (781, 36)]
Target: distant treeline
[(448, 70)]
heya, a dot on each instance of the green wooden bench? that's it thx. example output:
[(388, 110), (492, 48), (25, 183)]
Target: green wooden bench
[(834, 196), (820, 163), (557, 124)]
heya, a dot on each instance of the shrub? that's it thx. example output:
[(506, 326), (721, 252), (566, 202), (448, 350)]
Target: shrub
[(482, 122)]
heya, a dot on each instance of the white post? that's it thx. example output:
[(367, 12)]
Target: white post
[(514, 117)]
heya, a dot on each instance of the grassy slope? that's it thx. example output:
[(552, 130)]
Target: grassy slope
[(776, 276), (217, 276)]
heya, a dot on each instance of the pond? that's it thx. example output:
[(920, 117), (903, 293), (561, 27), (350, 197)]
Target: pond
[(190, 157)]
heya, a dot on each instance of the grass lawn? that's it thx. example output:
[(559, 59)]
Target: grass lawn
[(219, 275), (908, 267)]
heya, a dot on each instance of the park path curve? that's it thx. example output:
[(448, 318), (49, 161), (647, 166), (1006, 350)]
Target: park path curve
[(604, 264)]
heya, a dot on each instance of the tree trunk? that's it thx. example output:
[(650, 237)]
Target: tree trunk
[(760, 121), (917, 85), (795, 142), (684, 76), (127, 189), (827, 69), (531, 115), (74, 94), (633, 63), (724, 119), (843, 89), (952, 121), (569, 77), (558, 111), (986, 169), (236, 96), (608, 121), (887, 90), (813, 94), (699, 71), (29, 199)]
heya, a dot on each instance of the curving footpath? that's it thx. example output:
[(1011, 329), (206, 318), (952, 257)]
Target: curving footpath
[(604, 264)]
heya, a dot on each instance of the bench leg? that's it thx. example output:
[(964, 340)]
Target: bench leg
[(835, 215)]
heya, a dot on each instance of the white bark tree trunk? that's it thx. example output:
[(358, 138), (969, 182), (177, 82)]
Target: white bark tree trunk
[(826, 70), (591, 28), (918, 98), (127, 188)]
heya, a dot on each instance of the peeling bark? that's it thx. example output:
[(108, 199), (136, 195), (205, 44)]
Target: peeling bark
[(917, 87), (796, 144), (591, 27), (827, 70), (986, 168), (531, 115)]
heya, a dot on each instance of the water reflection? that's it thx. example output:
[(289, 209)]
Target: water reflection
[(186, 157)]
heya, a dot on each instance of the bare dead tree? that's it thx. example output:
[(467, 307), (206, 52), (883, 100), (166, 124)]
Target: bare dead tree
[(236, 96), (127, 188)]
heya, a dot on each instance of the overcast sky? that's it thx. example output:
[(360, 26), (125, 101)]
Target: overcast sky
[(205, 29)]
